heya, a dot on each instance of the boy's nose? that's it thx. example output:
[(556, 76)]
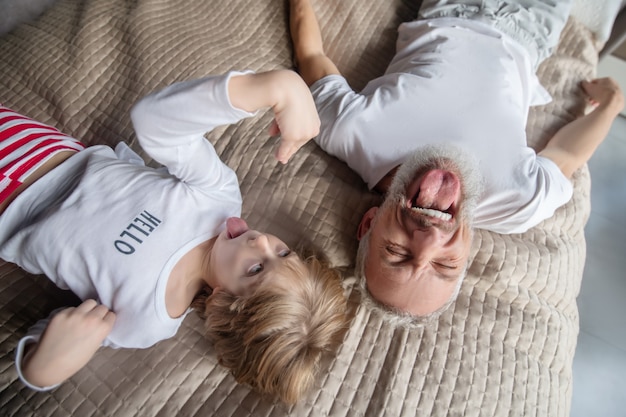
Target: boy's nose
[(261, 241)]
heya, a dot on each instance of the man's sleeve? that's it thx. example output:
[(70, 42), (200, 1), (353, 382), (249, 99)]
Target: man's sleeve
[(334, 98), (546, 189)]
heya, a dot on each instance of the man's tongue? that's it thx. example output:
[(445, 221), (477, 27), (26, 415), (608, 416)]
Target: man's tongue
[(236, 227), (438, 190)]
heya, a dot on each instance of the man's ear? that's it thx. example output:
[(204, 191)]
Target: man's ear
[(366, 222)]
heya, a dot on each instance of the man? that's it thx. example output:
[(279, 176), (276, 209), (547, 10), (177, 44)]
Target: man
[(442, 133)]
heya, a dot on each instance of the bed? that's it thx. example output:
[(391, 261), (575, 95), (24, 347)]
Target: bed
[(505, 348)]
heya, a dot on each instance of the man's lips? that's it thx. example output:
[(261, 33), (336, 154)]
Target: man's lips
[(235, 227), (435, 194)]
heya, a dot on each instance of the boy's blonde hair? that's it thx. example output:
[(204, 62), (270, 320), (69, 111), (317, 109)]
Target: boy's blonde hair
[(273, 339)]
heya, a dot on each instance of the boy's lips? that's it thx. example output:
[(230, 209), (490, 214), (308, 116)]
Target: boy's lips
[(235, 227)]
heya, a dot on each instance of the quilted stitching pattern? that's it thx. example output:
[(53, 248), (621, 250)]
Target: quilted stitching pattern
[(504, 349)]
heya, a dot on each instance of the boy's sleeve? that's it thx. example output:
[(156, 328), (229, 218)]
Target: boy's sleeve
[(33, 336), (171, 124)]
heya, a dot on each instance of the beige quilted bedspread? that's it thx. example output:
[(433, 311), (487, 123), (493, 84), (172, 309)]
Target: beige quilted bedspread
[(504, 349)]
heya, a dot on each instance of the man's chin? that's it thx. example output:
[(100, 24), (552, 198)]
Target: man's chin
[(450, 194)]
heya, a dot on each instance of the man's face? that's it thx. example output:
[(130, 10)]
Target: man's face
[(420, 237)]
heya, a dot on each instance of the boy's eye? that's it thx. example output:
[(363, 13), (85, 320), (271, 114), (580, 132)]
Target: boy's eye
[(284, 253), (255, 269)]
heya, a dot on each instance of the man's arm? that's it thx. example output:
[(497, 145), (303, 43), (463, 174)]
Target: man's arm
[(311, 61), (572, 146)]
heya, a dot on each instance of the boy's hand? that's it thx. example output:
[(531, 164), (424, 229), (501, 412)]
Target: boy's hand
[(68, 343), (295, 117)]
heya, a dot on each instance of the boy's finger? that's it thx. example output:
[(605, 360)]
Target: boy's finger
[(109, 318), (274, 129), (87, 305), (100, 311), (283, 153)]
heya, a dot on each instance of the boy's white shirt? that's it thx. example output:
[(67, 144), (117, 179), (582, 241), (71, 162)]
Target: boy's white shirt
[(118, 234)]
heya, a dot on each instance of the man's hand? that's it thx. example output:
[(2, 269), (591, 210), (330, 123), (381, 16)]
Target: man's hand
[(68, 343), (604, 92), (575, 143)]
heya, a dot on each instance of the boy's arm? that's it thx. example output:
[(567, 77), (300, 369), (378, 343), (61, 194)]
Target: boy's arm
[(178, 116), (311, 61), (295, 116), (67, 344), (572, 146)]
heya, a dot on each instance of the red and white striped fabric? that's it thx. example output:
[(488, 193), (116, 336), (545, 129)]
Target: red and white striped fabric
[(24, 146)]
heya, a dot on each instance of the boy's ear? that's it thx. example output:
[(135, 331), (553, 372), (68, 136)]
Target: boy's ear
[(215, 291), (366, 222)]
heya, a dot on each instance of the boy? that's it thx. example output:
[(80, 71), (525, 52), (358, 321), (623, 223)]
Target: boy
[(138, 245)]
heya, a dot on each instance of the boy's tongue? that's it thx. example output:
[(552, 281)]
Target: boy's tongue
[(236, 227), (438, 190)]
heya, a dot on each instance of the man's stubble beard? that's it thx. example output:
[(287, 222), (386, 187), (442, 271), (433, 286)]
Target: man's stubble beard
[(447, 157)]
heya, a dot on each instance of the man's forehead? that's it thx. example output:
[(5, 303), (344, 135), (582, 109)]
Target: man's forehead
[(398, 289)]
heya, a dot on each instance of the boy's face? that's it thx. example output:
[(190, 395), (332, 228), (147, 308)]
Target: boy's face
[(243, 259)]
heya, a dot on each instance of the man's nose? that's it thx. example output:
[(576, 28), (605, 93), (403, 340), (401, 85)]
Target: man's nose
[(427, 243), (429, 237)]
